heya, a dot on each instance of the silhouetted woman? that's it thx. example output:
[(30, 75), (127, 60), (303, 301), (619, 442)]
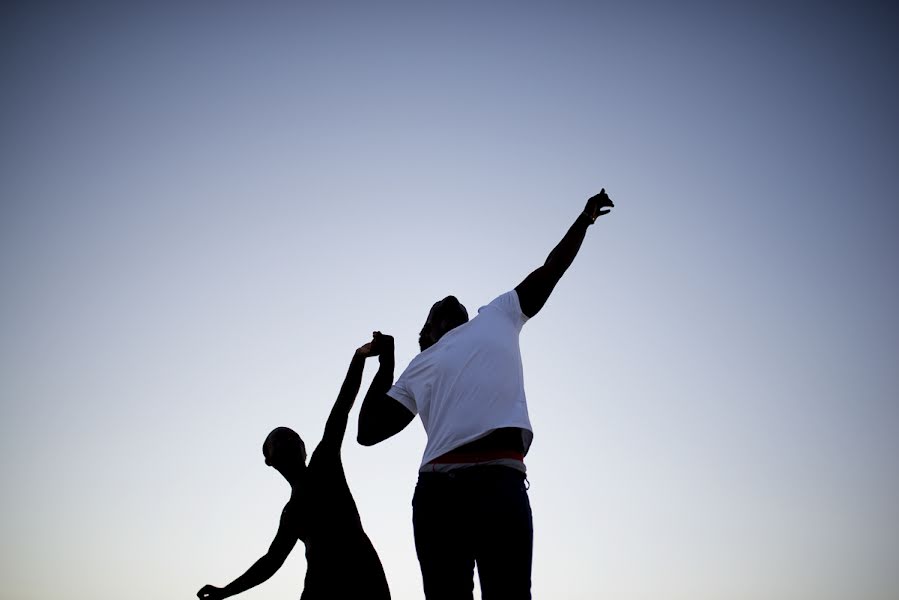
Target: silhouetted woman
[(340, 559)]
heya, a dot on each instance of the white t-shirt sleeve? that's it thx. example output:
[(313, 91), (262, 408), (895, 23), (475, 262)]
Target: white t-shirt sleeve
[(509, 306), (401, 394)]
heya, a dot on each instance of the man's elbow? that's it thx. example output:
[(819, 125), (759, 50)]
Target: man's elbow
[(377, 423), (366, 437)]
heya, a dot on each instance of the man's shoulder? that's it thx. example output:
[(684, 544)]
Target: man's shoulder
[(507, 304), (424, 358), (506, 299)]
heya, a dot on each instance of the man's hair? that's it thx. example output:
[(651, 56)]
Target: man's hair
[(454, 311)]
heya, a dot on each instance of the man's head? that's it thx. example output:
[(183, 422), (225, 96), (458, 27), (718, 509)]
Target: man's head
[(284, 450), (445, 315)]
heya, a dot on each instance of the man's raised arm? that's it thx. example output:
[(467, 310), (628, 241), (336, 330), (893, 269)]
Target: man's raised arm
[(536, 287), (380, 416)]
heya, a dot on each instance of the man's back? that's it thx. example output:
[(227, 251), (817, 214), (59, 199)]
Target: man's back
[(471, 381)]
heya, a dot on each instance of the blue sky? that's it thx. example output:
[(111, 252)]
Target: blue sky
[(204, 211)]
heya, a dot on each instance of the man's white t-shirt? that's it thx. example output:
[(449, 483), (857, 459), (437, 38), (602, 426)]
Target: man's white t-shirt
[(470, 382)]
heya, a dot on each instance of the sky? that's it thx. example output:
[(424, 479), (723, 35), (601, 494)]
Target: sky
[(205, 210)]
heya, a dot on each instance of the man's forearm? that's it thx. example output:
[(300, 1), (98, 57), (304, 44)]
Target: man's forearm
[(563, 254), (372, 425), (381, 382)]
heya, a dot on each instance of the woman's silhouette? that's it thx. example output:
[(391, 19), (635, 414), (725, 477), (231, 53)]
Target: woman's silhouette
[(341, 561)]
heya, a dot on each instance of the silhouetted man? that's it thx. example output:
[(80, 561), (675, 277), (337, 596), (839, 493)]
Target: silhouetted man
[(471, 504), (340, 559)]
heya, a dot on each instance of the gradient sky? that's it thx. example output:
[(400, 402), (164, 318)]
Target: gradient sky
[(206, 210)]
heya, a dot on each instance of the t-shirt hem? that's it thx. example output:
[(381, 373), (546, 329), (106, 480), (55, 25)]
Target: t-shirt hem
[(429, 456)]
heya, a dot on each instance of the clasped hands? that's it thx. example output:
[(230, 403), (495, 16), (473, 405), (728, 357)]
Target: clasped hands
[(379, 345)]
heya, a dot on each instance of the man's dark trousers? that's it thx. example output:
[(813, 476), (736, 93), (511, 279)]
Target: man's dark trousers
[(474, 514)]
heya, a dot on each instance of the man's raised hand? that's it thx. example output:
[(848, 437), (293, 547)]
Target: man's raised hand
[(598, 205), (381, 343)]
